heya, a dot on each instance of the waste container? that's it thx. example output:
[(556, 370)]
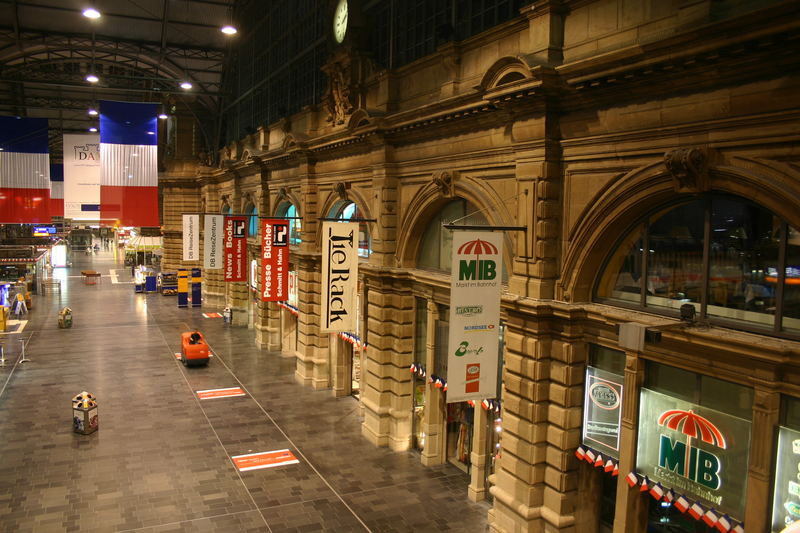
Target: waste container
[(85, 419), (194, 350), (65, 318)]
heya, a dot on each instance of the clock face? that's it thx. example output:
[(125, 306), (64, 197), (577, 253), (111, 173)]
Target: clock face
[(340, 21)]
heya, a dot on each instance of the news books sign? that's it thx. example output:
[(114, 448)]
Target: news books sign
[(274, 260), (212, 241), (474, 315), (339, 276), (235, 239)]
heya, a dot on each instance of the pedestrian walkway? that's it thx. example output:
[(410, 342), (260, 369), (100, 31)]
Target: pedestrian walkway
[(161, 460)]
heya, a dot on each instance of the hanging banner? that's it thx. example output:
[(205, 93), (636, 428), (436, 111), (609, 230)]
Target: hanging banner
[(602, 411), (474, 315), (786, 495), (191, 243), (24, 171), (274, 260), (212, 242), (82, 177), (339, 276), (235, 240), (292, 288), (694, 450)]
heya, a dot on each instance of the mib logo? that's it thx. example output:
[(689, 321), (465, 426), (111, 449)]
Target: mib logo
[(280, 235), (477, 269), (239, 229)]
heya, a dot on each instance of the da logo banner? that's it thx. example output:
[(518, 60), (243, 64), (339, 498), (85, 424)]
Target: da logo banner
[(474, 315), (694, 450)]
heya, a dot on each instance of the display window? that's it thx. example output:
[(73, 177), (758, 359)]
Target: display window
[(786, 492), (289, 211)]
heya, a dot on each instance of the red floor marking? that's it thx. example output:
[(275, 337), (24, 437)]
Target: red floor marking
[(220, 393), (254, 461), (212, 315), (178, 355)]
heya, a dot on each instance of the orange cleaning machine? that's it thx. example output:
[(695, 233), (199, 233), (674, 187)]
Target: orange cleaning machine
[(194, 350)]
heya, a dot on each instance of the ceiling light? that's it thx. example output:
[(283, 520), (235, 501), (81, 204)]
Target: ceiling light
[(186, 85), (163, 116), (91, 78), (91, 13), (228, 30), (93, 112), (151, 133), (93, 129)]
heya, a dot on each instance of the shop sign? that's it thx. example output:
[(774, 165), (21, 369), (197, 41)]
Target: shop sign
[(694, 450), (339, 275), (235, 242), (43, 231), (474, 315), (293, 288), (786, 496), (191, 244), (602, 411), (274, 260), (212, 243)]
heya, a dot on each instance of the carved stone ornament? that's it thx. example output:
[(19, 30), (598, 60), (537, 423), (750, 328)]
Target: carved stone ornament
[(337, 98), (444, 180), (283, 194), (688, 168), (340, 190)]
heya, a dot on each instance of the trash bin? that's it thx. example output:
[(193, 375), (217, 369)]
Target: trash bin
[(84, 413), (65, 318), (226, 315)]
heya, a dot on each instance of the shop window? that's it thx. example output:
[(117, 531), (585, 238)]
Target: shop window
[(418, 382), (460, 421), (721, 254), (785, 497), (289, 211), (350, 211)]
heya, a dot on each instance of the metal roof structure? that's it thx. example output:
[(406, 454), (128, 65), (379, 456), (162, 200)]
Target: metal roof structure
[(141, 50)]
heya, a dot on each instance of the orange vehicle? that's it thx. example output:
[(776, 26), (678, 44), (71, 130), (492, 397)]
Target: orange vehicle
[(194, 350)]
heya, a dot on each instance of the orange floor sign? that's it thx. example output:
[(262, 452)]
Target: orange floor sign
[(254, 461), (212, 315), (230, 392)]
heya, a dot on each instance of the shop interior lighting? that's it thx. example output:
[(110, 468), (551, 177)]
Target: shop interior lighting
[(228, 30), (91, 13), (91, 78), (186, 85)]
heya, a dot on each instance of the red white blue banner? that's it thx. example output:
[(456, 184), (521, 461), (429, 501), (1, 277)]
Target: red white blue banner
[(128, 163), (24, 171), (274, 260), (474, 315), (56, 190)]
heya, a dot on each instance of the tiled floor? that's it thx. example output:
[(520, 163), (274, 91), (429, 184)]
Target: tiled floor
[(161, 459)]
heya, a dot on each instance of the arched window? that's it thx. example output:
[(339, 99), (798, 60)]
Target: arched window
[(252, 226), (226, 209), (289, 211), (436, 249), (348, 211), (732, 260)]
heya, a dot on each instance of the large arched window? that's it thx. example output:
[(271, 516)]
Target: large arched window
[(731, 259), (226, 209), (348, 211), (252, 225), (289, 211), (436, 248)]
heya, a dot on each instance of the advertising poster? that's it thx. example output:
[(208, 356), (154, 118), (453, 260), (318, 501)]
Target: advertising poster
[(474, 315), (274, 260), (191, 233), (235, 239), (786, 497), (82, 177), (212, 242), (694, 450), (339, 276), (293, 288), (602, 411)]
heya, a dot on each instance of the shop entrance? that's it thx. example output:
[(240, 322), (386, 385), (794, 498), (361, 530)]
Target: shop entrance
[(460, 422), (288, 332), (355, 370)]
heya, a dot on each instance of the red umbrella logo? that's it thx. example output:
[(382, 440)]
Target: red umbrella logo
[(691, 424), (477, 247)]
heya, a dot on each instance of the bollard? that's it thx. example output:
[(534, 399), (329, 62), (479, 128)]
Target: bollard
[(85, 418), (226, 315)]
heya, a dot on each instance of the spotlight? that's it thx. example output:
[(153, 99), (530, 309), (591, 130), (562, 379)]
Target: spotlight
[(163, 116), (91, 13), (93, 129), (186, 85), (91, 78), (228, 30), (93, 112)]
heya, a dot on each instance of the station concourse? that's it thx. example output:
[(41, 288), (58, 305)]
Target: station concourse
[(161, 458)]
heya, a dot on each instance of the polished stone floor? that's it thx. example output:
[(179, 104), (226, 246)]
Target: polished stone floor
[(160, 461)]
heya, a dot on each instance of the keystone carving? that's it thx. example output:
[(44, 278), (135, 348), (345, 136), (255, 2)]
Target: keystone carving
[(444, 180), (340, 190), (688, 168)]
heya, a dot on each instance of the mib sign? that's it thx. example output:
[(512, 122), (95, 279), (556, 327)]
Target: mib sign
[(694, 450), (474, 315), (339, 276)]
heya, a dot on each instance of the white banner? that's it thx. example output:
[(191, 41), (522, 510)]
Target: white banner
[(82, 177), (474, 315), (191, 234), (339, 276), (212, 243)]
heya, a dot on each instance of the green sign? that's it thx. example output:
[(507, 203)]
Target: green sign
[(602, 411), (693, 450), (786, 498)]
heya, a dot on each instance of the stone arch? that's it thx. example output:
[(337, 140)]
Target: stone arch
[(430, 200), (627, 199), (505, 70), (353, 195), (284, 196), (358, 119)]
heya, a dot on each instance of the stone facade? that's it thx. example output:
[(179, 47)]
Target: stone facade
[(557, 121)]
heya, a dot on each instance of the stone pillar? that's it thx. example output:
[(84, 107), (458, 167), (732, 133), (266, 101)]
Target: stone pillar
[(631, 510), (181, 194), (312, 345), (387, 382), (766, 417), (546, 31), (478, 458), (433, 419), (339, 367)]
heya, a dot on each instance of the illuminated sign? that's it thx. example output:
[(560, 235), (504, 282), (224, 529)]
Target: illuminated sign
[(602, 411), (43, 231), (786, 495), (694, 450)]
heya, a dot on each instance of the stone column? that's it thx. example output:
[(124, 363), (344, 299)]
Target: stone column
[(478, 457), (766, 417), (433, 419)]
